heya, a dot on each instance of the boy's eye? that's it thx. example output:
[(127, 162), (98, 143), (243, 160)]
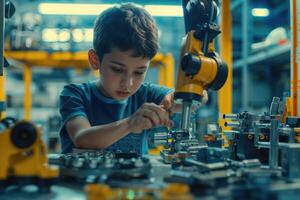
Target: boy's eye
[(118, 70), (139, 73)]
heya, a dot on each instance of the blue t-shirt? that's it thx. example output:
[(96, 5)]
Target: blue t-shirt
[(87, 101)]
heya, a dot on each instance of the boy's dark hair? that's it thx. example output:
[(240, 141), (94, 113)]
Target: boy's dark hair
[(126, 26)]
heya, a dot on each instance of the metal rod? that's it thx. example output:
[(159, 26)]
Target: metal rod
[(232, 124), (186, 115), (262, 125), (294, 64), (273, 152), (206, 39), (230, 116)]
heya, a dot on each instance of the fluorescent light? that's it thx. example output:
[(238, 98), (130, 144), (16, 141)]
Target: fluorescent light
[(72, 9), (260, 12), (50, 35), (64, 35), (77, 35), (164, 10), (89, 32), (96, 9)]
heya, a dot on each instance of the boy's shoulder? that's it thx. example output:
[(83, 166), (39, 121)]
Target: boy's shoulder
[(153, 86), (146, 87)]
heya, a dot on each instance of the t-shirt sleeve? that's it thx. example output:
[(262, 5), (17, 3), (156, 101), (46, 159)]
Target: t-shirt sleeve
[(156, 93), (71, 103)]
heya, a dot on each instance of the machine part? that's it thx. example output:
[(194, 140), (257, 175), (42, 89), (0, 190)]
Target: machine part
[(245, 139), (242, 121), (212, 154), (23, 158), (273, 152), (293, 121), (290, 158), (23, 135), (10, 9), (274, 106), (186, 115), (213, 137), (7, 123), (7, 11), (200, 67), (114, 169)]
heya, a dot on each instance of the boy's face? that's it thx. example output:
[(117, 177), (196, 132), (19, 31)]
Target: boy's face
[(122, 73)]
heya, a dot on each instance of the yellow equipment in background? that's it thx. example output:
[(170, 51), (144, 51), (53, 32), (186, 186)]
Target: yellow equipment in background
[(23, 155)]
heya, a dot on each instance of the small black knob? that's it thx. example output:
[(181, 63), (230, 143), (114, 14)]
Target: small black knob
[(190, 64), (23, 134)]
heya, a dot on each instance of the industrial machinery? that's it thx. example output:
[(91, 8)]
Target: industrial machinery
[(253, 134), (200, 66), (115, 169), (200, 69), (23, 156)]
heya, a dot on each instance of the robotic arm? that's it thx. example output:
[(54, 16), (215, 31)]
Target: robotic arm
[(200, 68)]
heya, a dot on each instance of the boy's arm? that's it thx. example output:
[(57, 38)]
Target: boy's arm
[(84, 135)]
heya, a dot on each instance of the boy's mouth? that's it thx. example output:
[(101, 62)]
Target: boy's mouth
[(123, 94)]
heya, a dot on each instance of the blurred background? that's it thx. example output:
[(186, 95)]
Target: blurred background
[(46, 44)]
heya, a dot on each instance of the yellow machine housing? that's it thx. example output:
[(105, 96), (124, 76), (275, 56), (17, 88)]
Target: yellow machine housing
[(198, 72), (200, 66), (23, 155)]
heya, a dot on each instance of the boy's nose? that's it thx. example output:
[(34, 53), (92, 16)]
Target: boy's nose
[(127, 81)]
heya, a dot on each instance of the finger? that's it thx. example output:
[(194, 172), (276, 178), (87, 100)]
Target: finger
[(170, 124), (152, 116), (204, 97), (147, 123), (160, 112)]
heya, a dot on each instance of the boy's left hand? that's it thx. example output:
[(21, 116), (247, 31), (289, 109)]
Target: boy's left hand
[(169, 104)]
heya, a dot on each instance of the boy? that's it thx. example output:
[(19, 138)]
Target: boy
[(114, 112)]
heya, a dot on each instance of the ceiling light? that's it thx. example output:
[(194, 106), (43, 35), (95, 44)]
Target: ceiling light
[(164, 10), (96, 9), (260, 12), (72, 9)]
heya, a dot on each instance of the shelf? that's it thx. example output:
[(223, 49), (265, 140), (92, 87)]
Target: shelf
[(272, 56)]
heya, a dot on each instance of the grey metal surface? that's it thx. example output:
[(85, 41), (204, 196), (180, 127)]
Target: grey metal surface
[(186, 115), (278, 54), (273, 151)]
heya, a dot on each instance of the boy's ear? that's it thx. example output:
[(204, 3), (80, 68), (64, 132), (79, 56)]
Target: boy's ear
[(93, 59)]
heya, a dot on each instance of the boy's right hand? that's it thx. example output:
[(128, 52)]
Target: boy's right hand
[(149, 115)]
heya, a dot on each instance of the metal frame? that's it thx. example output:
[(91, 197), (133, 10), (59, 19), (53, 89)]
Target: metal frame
[(225, 93), (245, 53), (295, 57), (2, 77)]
